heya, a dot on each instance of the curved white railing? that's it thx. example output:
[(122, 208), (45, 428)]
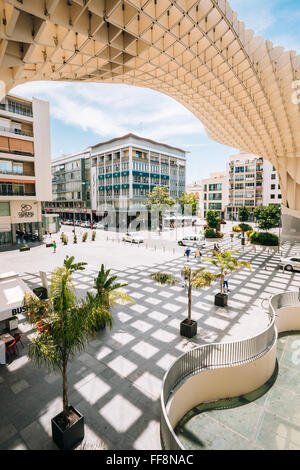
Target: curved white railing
[(221, 355)]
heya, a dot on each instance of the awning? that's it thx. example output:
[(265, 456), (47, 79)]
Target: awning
[(16, 181), (12, 291)]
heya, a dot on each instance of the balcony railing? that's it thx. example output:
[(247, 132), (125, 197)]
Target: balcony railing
[(15, 131), (17, 109)]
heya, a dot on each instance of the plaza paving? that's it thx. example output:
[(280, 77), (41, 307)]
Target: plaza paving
[(116, 381)]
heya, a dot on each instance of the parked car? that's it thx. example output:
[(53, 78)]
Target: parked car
[(290, 264), (99, 225), (87, 224), (133, 238), (196, 241)]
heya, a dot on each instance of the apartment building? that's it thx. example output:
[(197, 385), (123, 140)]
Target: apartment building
[(25, 169), (252, 182), (125, 169), (214, 194), (71, 186)]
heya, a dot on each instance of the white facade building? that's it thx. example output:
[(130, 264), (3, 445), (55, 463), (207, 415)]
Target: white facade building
[(25, 168), (252, 182), (195, 189), (214, 194)]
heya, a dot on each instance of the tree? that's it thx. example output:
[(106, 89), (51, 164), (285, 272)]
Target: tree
[(160, 198), (268, 216), (244, 214), (107, 292), (187, 199), (196, 279), (70, 325), (225, 261), (213, 219)]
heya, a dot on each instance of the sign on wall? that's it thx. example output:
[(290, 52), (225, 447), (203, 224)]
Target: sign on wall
[(25, 211)]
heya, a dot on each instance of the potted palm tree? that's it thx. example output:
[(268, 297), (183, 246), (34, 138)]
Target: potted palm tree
[(225, 262), (195, 279), (108, 292), (70, 326)]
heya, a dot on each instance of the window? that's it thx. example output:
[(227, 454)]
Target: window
[(279, 196), (272, 196), (4, 209), (5, 167), (272, 186), (273, 176)]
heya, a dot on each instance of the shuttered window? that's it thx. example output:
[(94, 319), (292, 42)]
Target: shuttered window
[(4, 144), (18, 145)]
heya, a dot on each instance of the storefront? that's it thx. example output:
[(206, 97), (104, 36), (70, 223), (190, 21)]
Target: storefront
[(20, 221)]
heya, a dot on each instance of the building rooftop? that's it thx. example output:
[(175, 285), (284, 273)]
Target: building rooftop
[(139, 138)]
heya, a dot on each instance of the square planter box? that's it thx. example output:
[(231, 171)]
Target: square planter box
[(188, 329), (67, 439), (221, 300), (41, 292)]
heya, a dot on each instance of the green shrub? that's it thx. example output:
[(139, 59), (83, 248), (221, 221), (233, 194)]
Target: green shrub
[(236, 228), (75, 238), (245, 227), (264, 239), (93, 235), (163, 278), (249, 232), (212, 233), (84, 236), (64, 239)]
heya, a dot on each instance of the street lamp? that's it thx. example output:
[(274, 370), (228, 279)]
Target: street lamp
[(83, 183)]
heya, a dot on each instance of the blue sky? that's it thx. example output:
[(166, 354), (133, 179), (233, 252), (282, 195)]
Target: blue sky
[(85, 114)]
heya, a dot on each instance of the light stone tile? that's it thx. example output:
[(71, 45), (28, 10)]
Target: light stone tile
[(145, 349), (120, 413), (122, 366)]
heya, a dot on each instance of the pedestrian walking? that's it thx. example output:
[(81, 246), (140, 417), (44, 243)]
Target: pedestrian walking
[(225, 282), (187, 253), (54, 246), (198, 255)]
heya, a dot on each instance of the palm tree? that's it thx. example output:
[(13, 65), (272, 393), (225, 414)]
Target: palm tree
[(108, 292), (195, 279), (70, 325), (226, 262)]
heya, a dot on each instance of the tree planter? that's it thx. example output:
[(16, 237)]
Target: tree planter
[(25, 248), (188, 329), (67, 438), (221, 300), (41, 292), (48, 245)]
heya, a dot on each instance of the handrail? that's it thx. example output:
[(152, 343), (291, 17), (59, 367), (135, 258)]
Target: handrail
[(216, 355)]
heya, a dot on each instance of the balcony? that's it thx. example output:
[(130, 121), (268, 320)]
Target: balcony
[(17, 108), (15, 131)]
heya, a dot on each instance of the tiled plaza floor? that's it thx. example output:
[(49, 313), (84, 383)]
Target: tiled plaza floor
[(116, 382), (271, 422)]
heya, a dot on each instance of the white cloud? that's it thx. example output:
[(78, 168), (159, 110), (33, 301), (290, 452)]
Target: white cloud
[(110, 110)]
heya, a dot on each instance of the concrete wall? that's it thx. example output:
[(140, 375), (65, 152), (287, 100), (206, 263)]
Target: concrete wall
[(42, 155), (216, 384)]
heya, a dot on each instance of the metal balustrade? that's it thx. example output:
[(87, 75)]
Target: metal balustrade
[(216, 355)]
